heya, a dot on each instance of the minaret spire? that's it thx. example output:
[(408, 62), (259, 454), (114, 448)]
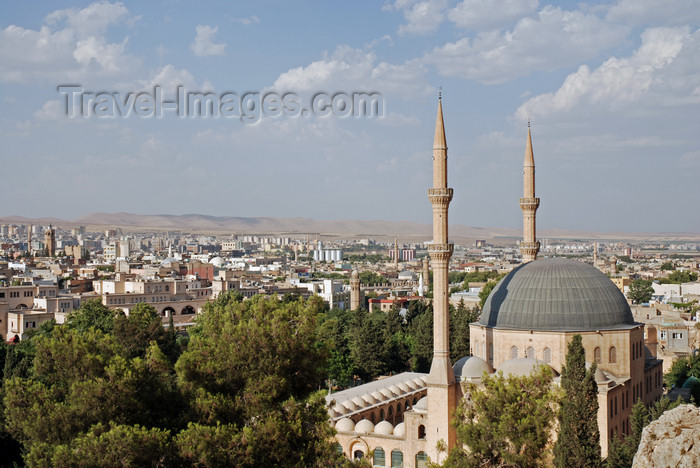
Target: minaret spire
[(442, 389), (529, 247)]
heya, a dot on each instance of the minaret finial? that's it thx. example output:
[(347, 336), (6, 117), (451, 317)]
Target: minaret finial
[(440, 94)]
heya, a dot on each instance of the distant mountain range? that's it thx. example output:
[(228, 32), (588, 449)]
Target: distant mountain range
[(347, 228)]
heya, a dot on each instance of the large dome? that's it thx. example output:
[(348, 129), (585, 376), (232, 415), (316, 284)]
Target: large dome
[(555, 294)]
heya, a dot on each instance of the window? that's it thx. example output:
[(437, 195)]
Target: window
[(379, 457), (421, 460), (547, 355), (490, 351), (396, 459), (596, 355), (663, 334), (612, 355), (513, 352), (2, 294), (530, 353), (358, 455), (421, 432)]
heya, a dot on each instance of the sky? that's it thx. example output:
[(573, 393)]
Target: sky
[(612, 91)]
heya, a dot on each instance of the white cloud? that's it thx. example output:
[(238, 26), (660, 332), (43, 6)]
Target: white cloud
[(421, 16), (554, 39), (490, 14), (72, 45), (656, 12), (663, 71), (203, 44), (350, 70), (51, 110), (247, 20)]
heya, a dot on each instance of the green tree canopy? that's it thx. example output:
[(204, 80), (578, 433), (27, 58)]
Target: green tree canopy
[(640, 291), (679, 277), (578, 443), (508, 422)]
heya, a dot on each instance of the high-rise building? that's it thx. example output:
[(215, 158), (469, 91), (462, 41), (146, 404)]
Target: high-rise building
[(50, 241)]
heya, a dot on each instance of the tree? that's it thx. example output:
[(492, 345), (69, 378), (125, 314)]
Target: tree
[(460, 318), (668, 266), (640, 291), (680, 277), (508, 422), (578, 443), (484, 293), (249, 373)]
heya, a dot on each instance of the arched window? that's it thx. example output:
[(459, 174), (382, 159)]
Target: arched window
[(381, 415), (406, 406), (373, 418), (421, 460), (415, 400), (421, 432), (513, 352), (530, 352), (596, 355), (379, 457), (547, 355), (613, 355), (391, 411), (398, 408), (490, 351), (396, 459), (358, 455), (476, 348)]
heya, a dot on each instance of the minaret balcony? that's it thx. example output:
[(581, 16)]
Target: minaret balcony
[(529, 203), (529, 245), (440, 195), (439, 252)]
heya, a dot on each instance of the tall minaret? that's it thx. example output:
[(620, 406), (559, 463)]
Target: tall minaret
[(529, 204), (426, 273), (354, 290), (441, 380), (396, 253)]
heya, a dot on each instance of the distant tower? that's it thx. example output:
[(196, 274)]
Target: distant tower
[(426, 273), (595, 253), (396, 253), (29, 241), (354, 290), (529, 204), (50, 241), (442, 389)]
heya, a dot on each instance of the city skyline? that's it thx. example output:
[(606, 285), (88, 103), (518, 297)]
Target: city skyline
[(610, 89)]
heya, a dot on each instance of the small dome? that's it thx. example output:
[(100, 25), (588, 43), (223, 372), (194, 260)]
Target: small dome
[(359, 402), (340, 409), (333, 413), (422, 404), (364, 426), (600, 376), (403, 387), (471, 367), (217, 261), (349, 405), (378, 396), (690, 382), (420, 381), (520, 367), (411, 385), (386, 392), (395, 390), (354, 275), (345, 425), (400, 430), (369, 399), (384, 428)]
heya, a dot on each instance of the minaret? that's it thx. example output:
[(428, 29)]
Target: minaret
[(354, 290), (426, 273), (396, 253), (441, 380), (529, 204)]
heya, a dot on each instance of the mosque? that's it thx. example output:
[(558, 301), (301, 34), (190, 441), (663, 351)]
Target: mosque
[(527, 321)]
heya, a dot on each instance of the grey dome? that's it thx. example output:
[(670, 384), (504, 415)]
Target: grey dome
[(471, 366), (556, 294)]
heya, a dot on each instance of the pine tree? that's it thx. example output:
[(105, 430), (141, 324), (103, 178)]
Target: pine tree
[(578, 443)]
